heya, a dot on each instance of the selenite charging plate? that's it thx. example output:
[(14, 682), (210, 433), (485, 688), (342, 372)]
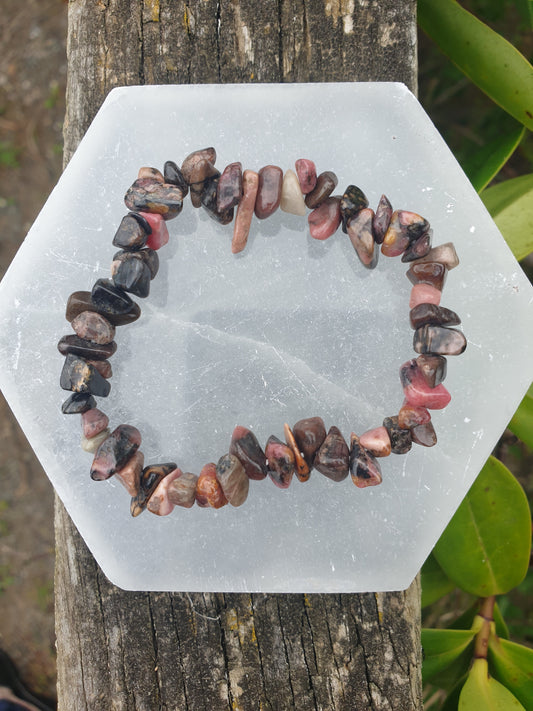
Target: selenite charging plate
[(290, 328)]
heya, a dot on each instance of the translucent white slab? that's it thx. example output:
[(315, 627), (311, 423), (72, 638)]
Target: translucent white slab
[(290, 328)]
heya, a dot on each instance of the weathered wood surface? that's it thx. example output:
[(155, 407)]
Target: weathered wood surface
[(145, 651)]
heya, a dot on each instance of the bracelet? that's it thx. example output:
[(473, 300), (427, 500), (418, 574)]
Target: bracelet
[(152, 200)]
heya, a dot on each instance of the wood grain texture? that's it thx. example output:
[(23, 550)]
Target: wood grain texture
[(123, 651)]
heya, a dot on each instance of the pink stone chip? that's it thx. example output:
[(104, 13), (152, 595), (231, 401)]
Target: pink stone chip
[(93, 422), (424, 294), (442, 253), (325, 219), (130, 474), (412, 415), (417, 391), (245, 211), (159, 236), (94, 327), (153, 173), (115, 451), (376, 441), (159, 503), (306, 172), (182, 490)]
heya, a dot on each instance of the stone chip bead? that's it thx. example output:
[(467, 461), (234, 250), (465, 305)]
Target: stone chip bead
[(418, 393), (93, 422), (188, 165), (245, 446), (132, 275), (432, 273), (80, 301), (149, 195), (309, 435), (353, 201), (268, 191), (202, 176), (115, 451), (147, 256), (150, 479), (229, 187), (209, 492), (439, 340), (208, 200), (92, 326), (444, 254), (153, 173), (364, 467), (103, 367), (301, 467), (405, 227), (159, 502), (433, 369), (173, 175), (182, 490), (113, 302), (78, 403), (159, 235), (130, 474), (362, 238), (292, 199), (376, 441), (412, 415), (423, 314), (280, 462), (400, 439), (132, 232), (424, 294), (418, 248), (80, 377), (424, 435), (245, 211), (86, 349), (325, 185), (306, 172), (332, 459), (91, 444), (233, 479), (325, 219), (382, 219)]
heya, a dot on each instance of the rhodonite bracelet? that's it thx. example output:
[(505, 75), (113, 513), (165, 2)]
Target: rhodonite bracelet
[(152, 200)]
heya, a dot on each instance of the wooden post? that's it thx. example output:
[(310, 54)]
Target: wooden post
[(128, 651)]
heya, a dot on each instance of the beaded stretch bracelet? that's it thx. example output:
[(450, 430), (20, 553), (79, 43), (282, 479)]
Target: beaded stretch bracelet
[(155, 198)]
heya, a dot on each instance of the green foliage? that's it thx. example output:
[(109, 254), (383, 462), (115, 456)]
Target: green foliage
[(486, 547), (489, 60), (481, 691), (511, 205)]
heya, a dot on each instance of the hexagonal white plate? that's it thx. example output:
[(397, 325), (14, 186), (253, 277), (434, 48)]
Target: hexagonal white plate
[(290, 328)]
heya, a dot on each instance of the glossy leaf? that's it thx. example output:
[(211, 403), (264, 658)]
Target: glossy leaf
[(489, 60), (465, 621), (511, 205), (447, 655), (487, 161), (483, 692), (512, 665), (485, 547), (522, 423), (435, 583)]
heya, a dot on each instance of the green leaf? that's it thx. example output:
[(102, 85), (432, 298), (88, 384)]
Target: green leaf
[(485, 547), (511, 205), (522, 422), (465, 621), (435, 582), (447, 655), (487, 161), (452, 700), (489, 60), (483, 692), (512, 665)]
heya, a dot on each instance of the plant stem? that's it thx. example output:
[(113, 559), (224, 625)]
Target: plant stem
[(485, 621)]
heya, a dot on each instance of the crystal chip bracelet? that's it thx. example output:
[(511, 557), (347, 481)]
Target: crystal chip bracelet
[(156, 197)]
